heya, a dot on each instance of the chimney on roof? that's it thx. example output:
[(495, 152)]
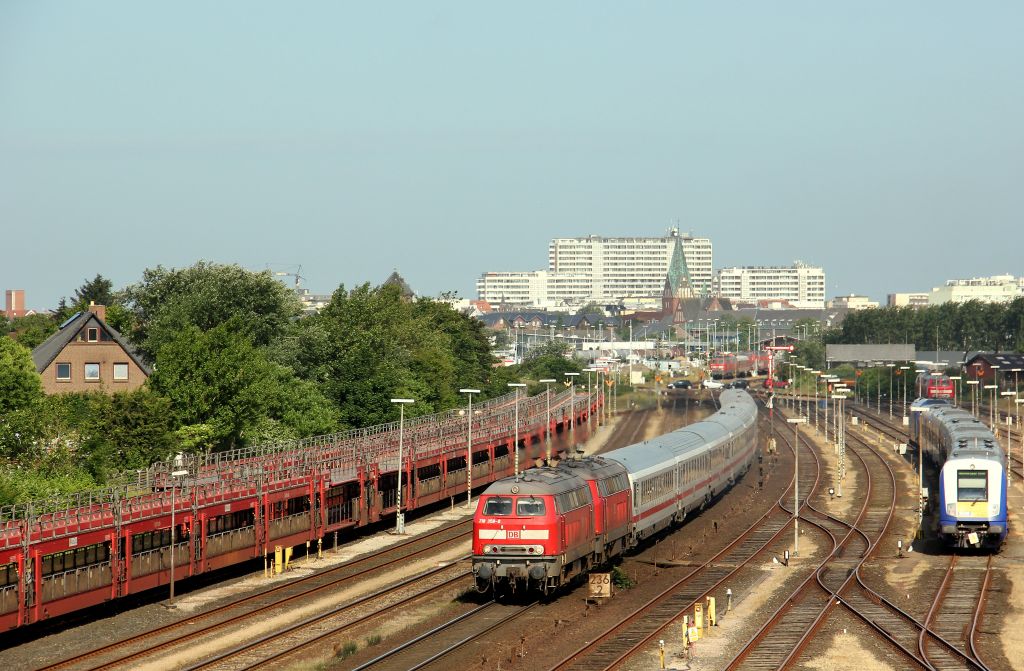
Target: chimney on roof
[(99, 310)]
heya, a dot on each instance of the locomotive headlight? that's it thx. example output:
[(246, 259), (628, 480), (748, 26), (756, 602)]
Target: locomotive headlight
[(488, 549)]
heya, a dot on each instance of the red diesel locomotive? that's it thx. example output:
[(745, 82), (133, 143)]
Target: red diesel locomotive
[(540, 530)]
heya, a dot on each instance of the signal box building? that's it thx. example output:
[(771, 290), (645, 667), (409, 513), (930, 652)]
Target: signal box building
[(87, 354)]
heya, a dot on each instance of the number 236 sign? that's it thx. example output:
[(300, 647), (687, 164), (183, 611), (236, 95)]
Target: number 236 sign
[(600, 585)]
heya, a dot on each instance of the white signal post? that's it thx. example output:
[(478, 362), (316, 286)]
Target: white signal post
[(796, 422), (547, 427), (920, 473), (590, 394), (955, 379), (992, 405), (840, 438), (515, 445), (469, 446), (399, 515)]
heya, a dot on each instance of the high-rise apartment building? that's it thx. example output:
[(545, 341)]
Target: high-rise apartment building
[(600, 269), (801, 285), (995, 289)]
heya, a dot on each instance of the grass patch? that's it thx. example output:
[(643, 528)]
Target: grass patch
[(620, 579)]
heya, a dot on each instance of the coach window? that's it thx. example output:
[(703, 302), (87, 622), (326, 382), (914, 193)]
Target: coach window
[(498, 505), (529, 507)]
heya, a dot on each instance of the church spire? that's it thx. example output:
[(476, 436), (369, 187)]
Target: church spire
[(678, 274)]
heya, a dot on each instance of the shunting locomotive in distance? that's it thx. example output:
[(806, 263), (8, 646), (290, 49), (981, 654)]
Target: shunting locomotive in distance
[(551, 524)]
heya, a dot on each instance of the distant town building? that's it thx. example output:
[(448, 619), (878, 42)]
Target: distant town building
[(853, 302), (913, 299), (311, 303), (599, 269), (995, 289), (14, 303), (800, 285), (87, 354)]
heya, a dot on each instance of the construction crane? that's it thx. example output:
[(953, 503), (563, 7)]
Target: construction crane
[(297, 275)]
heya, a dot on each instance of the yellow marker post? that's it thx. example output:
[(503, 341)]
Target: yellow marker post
[(307, 551), (287, 557), (278, 559), (661, 652), (698, 617), (712, 619), (319, 548), (686, 632)]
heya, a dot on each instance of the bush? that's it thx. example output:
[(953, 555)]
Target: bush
[(620, 579)]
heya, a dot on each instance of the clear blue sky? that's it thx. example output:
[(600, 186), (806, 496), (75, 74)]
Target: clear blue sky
[(882, 140)]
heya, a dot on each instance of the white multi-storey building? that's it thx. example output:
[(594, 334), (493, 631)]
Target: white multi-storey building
[(801, 285), (995, 289), (600, 269)]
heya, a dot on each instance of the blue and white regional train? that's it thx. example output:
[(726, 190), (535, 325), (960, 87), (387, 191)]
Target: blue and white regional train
[(972, 478), (538, 531)]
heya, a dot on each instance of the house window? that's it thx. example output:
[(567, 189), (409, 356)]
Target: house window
[(92, 371), (94, 335), (120, 371), (63, 372)]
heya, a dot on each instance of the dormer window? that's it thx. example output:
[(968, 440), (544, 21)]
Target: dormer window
[(93, 335)]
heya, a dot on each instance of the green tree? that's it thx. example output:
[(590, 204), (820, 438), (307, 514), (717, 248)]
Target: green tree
[(31, 330), (19, 382), (127, 431), (229, 392), (206, 295)]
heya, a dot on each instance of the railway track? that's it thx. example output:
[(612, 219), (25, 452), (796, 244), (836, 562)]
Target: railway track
[(430, 649), (958, 606), (639, 628), (197, 626), (288, 642)]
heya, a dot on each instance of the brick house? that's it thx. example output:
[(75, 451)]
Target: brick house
[(87, 354)]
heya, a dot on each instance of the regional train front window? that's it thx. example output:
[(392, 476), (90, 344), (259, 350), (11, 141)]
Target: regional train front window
[(529, 507), (498, 505), (972, 485)]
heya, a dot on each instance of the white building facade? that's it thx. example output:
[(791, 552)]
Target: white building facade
[(995, 289), (800, 285), (599, 269)]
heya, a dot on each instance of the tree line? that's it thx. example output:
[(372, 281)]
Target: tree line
[(235, 363)]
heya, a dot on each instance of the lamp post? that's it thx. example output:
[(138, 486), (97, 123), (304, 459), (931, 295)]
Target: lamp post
[(399, 515), (974, 396), (992, 405), (905, 373), (515, 445), (796, 422), (469, 445), (890, 365), (174, 486), (879, 397), (816, 374), (590, 395), (1009, 447), (547, 426), (955, 379), (572, 401), (1009, 480), (995, 380)]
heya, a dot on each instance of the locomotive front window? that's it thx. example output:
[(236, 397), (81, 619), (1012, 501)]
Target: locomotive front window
[(498, 505), (972, 485), (530, 507)]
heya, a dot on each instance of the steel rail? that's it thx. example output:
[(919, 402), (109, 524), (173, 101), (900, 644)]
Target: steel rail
[(373, 564)]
